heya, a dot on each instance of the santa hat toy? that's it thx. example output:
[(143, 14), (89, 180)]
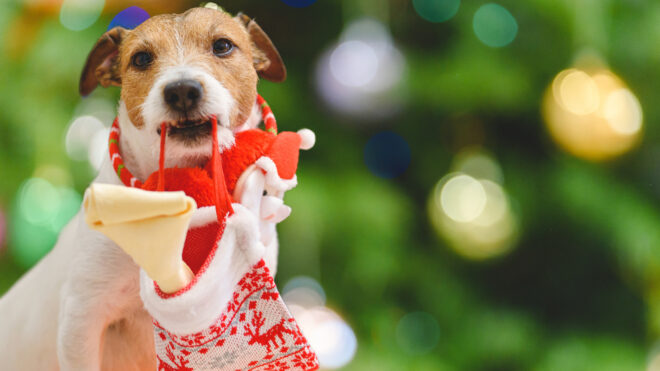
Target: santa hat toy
[(229, 315), (259, 169), (276, 155)]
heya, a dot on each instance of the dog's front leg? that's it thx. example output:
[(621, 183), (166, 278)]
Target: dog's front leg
[(102, 284), (79, 335)]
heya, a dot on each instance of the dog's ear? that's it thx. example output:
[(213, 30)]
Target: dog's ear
[(267, 60), (101, 66)]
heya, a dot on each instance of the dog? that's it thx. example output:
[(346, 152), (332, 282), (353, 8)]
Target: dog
[(79, 308)]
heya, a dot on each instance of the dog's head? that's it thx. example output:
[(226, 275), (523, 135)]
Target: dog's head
[(182, 69)]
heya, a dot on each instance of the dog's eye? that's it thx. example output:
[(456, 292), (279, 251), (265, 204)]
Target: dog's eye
[(142, 59), (222, 47)]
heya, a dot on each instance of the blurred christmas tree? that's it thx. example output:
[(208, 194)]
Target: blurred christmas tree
[(484, 190)]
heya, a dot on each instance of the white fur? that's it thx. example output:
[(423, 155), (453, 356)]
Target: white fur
[(203, 216), (253, 121)]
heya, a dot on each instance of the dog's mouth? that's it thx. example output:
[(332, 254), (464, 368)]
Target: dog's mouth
[(189, 131)]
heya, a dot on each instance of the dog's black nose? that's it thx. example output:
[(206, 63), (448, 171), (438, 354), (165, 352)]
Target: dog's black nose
[(183, 95)]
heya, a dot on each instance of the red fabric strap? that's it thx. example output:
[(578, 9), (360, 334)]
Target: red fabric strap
[(161, 160), (222, 197)]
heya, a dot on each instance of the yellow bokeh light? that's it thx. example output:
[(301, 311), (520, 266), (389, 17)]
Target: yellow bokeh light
[(473, 215), (623, 112), (578, 93), (463, 198), (592, 114), (497, 205)]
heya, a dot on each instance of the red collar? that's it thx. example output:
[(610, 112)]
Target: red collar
[(131, 181)]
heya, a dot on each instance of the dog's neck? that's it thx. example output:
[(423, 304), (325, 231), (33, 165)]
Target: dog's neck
[(141, 162), (140, 151)]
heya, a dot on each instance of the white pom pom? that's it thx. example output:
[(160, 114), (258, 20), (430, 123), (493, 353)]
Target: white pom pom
[(308, 138)]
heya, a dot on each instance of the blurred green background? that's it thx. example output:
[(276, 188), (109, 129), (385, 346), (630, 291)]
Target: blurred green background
[(466, 207)]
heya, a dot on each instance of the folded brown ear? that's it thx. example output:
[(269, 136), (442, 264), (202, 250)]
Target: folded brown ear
[(101, 65), (267, 60)]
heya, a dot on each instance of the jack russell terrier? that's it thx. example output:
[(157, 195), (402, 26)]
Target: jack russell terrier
[(79, 308)]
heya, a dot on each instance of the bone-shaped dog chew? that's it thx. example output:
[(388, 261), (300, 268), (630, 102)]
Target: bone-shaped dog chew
[(149, 226)]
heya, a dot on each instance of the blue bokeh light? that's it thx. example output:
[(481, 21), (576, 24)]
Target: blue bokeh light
[(387, 155), (299, 3), (129, 18)]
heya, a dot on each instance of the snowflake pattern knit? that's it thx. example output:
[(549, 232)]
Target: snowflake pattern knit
[(256, 332)]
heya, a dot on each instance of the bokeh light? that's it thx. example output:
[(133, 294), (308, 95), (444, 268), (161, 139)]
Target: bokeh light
[(436, 10), (417, 333), (329, 335), (88, 132), (78, 136), (354, 63), (463, 198), (304, 291), (363, 74), (103, 109), (299, 3), (211, 5), (98, 148), (39, 201), (40, 211), (578, 92), (129, 18), (494, 25), (77, 15), (387, 155), (592, 114), (471, 211), (623, 112)]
